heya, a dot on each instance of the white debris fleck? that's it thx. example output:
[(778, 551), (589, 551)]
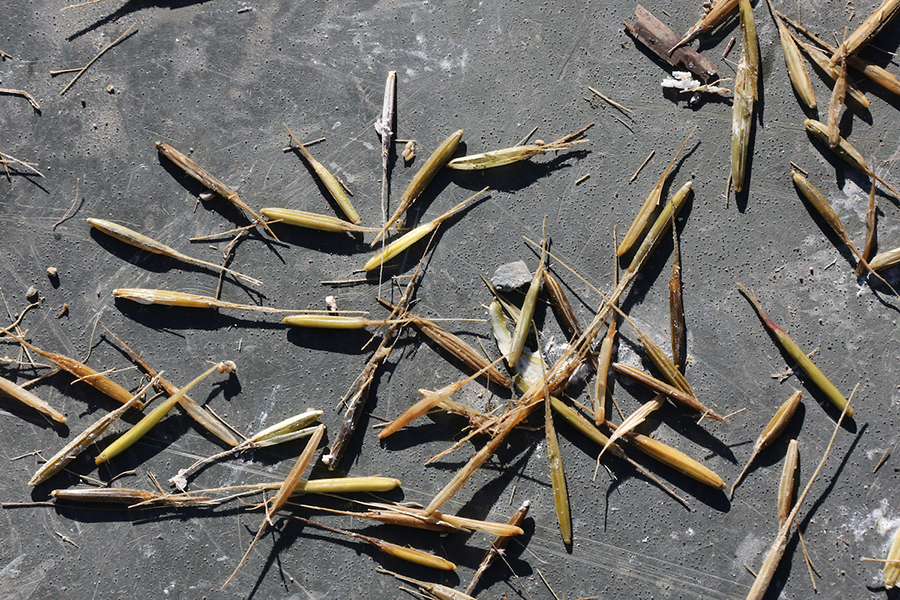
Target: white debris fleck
[(331, 303), (683, 80), (180, 480)]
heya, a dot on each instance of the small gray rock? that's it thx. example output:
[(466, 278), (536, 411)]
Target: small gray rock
[(32, 294), (511, 276)]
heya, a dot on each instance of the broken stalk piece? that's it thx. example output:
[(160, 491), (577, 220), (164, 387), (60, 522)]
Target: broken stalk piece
[(203, 176), (71, 450), (506, 156), (284, 431), (82, 372), (385, 129), (499, 543), (141, 241), (359, 389), (185, 300), (287, 488)]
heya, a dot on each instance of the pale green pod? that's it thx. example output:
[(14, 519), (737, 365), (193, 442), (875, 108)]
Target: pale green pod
[(143, 426), (663, 221), (141, 241), (328, 180), (399, 245), (523, 324), (286, 430), (423, 177), (309, 220), (803, 361), (323, 321), (411, 237)]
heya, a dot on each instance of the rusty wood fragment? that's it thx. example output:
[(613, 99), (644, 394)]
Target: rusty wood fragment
[(659, 39)]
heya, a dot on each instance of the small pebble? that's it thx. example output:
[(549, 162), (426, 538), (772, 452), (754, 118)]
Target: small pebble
[(52, 272), (511, 276), (32, 294), (110, 89), (331, 303)]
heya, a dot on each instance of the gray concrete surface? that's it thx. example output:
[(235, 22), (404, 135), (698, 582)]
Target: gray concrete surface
[(217, 81)]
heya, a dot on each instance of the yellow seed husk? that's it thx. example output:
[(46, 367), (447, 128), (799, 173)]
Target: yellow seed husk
[(652, 201), (506, 156), (796, 67), (886, 259), (346, 485), (423, 177), (838, 93), (843, 149), (415, 556), (745, 94), (867, 30), (633, 420), (770, 432), (786, 483), (26, 397), (411, 237), (676, 459), (833, 72), (328, 180), (309, 220)]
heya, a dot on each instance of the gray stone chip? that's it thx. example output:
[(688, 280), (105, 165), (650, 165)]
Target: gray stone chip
[(511, 276)]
